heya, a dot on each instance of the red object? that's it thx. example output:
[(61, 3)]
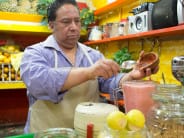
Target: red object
[(90, 130), (2, 42), (124, 20), (13, 107), (82, 5)]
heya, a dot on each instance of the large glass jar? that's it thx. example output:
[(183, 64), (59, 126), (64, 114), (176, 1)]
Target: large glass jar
[(166, 118)]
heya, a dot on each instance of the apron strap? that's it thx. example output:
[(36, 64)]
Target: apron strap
[(87, 55)]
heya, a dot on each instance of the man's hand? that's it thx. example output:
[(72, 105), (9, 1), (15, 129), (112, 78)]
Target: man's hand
[(139, 73), (105, 68)]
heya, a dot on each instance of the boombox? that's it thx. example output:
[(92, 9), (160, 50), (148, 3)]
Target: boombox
[(167, 13), (140, 22)]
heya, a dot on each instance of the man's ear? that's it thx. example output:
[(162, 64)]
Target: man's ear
[(51, 25)]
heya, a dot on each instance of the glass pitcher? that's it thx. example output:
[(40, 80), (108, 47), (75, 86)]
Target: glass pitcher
[(138, 95)]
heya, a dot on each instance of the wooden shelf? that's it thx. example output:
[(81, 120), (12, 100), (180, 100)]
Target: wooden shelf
[(12, 85), (171, 31)]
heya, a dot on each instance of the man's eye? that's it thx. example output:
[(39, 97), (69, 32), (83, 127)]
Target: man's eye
[(77, 21), (66, 21)]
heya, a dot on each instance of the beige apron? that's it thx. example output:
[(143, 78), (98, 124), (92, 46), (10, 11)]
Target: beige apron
[(46, 114)]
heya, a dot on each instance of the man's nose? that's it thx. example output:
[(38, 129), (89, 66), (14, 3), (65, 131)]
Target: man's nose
[(74, 25)]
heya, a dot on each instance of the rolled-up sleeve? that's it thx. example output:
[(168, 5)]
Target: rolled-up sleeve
[(109, 84)]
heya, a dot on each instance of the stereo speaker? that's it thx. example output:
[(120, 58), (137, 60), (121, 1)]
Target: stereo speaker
[(140, 22)]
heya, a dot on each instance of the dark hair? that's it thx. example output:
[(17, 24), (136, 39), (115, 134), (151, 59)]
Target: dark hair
[(55, 5)]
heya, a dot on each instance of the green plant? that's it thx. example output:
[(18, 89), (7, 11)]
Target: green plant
[(42, 6), (87, 17), (122, 55)]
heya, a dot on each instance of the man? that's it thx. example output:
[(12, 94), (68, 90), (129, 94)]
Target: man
[(60, 72)]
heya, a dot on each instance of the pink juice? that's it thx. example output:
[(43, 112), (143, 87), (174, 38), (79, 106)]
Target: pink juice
[(137, 95)]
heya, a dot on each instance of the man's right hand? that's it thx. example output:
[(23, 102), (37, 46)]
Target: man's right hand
[(105, 68)]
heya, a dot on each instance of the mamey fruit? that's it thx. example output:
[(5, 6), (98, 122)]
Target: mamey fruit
[(136, 120), (117, 120)]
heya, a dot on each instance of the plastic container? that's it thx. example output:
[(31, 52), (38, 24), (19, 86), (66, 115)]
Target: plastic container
[(106, 31), (95, 34), (166, 119), (123, 27), (114, 32)]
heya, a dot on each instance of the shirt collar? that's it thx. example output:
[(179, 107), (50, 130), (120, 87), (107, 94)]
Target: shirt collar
[(51, 43)]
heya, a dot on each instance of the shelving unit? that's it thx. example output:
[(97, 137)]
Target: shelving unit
[(16, 28), (12, 85), (24, 30), (13, 28), (171, 31), (21, 26), (22, 23)]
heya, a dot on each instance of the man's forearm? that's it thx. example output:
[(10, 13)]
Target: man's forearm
[(76, 77)]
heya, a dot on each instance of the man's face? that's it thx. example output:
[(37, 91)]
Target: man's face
[(66, 27)]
